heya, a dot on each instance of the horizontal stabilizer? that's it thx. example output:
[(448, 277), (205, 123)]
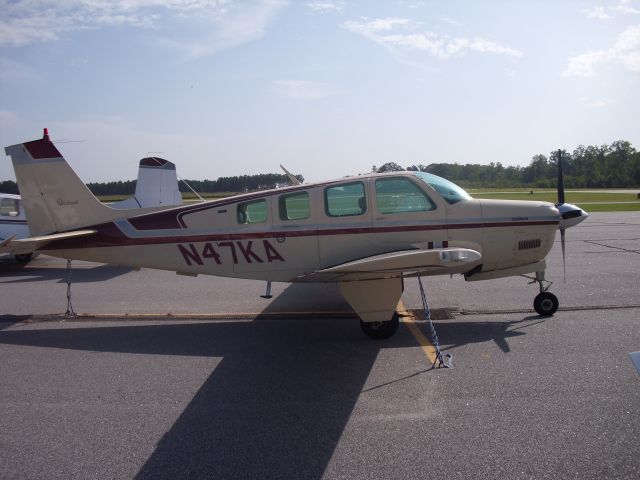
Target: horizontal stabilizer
[(31, 244), (403, 263)]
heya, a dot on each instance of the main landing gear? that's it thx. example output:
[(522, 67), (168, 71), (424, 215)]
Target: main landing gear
[(546, 303), (381, 330)]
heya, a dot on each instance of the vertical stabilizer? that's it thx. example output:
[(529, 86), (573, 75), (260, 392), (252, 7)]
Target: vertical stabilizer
[(157, 186), (53, 196)]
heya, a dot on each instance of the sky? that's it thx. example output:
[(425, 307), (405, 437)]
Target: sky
[(327, 88)]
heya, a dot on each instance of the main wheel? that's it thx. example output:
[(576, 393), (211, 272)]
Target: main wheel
[(545, 304), (24, 257), (381, 330)]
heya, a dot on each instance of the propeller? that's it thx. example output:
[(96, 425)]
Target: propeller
[(558, 205), (570, 215)]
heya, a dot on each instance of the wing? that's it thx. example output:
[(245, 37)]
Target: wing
[(403, 263), (31, 244)]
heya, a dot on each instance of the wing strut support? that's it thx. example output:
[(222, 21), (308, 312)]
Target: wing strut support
[(441, 362)]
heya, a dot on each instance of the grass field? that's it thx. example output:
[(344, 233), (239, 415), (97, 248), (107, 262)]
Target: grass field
[(590, 200)]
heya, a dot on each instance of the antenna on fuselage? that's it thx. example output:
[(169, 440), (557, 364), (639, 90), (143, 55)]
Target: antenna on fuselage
[(292, 178)]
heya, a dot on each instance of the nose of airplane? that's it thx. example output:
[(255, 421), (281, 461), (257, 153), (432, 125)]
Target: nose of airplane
[(570, 215)]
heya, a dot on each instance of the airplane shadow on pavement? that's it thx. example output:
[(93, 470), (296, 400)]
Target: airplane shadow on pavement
[(25, 273), (279, 400), (274, 407)]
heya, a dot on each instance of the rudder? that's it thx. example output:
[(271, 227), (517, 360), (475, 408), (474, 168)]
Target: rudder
[(54, 197)]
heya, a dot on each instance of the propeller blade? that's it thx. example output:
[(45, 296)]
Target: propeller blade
[(564, 258), (560, 179)]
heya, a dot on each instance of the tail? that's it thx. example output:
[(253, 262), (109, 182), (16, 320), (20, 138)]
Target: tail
[(53, 196), (157, 186)]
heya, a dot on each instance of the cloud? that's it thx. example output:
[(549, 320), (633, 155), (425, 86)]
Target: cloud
[(625, 51), (608, 12), (451, 21), (214, 24), (327, 6), (598, 12), (236, 25), (35, 21), (403, 35), (624, 7), (305, 90), (595, 103)]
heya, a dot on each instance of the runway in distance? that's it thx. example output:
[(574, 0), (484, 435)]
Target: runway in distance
[(366, 232)]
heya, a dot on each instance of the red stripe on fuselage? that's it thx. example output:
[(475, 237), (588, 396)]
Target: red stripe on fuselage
[(109, 235)]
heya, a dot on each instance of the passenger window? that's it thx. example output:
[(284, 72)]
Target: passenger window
[(252, 212), (345, 200), (9, 207), (294, 206), (401, 195)]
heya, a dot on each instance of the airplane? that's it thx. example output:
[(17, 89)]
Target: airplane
[(157, 185), (13, 222), (367, 233)]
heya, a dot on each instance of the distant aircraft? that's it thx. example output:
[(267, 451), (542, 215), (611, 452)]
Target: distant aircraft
[(13, 222), (367, 233), (157, 185)]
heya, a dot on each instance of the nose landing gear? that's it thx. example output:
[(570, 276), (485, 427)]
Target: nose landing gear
[(546, 303)]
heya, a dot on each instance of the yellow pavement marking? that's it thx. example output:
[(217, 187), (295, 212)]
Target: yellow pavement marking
[(410, 321)]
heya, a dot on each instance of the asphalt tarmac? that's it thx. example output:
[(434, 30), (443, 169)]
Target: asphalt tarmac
[(265, 389)]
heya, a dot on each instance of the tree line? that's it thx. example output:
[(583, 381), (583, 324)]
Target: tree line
[(242, 183), (606, 166)]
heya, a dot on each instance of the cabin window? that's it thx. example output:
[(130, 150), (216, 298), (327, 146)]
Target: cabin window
[(9, 207), (401, 195), (345, 200), (252, 212), (294, 206)]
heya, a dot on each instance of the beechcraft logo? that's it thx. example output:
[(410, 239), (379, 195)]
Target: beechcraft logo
[(62, 202)]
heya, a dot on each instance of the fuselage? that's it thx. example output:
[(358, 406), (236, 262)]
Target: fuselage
[(284, 234)]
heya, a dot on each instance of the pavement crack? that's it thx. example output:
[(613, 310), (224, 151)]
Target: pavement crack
[(612, 247)]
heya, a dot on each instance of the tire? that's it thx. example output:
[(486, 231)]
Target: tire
[(545, 304), (23, 257), (381, 330)]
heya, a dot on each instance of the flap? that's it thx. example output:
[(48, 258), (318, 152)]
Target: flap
[(402, 263)]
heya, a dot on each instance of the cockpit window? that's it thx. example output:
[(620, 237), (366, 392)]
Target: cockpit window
[(401, 195), (9, 207), (451, 192)]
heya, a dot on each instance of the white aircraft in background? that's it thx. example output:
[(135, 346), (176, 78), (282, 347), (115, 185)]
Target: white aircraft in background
[(366, 233), (13, 222), (157, 185)]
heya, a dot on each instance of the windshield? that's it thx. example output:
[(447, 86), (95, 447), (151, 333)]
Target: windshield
[(451, 192)]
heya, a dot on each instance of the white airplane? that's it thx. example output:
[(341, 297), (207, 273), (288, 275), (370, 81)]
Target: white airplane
[(13, 222), (367, 233), (157, 185)]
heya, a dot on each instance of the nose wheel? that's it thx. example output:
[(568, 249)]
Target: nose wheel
[(546, 303)]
